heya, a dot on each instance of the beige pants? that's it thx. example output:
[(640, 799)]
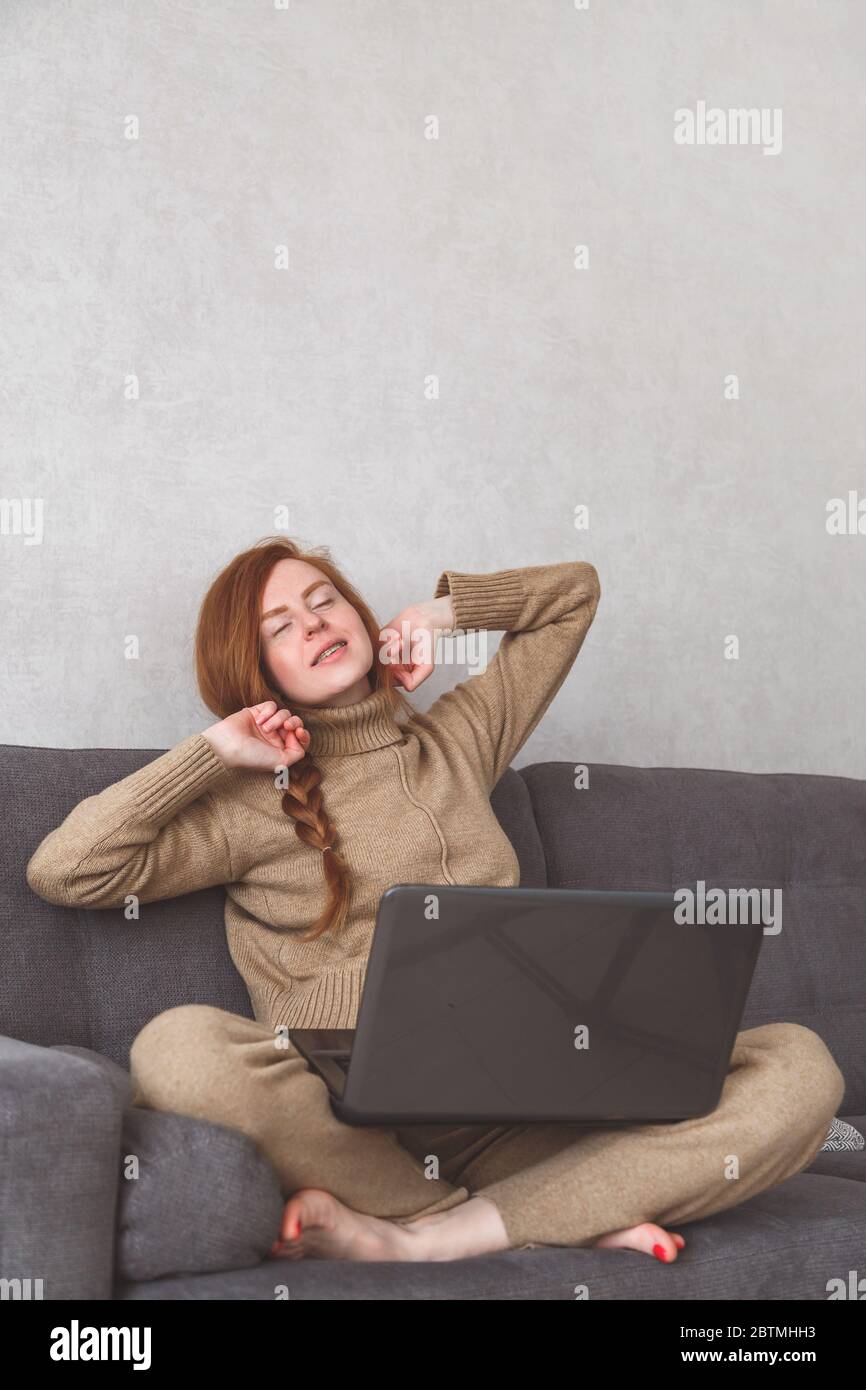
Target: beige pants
[(552, 1184)]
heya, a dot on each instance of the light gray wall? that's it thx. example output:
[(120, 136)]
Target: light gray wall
[(410, 257)]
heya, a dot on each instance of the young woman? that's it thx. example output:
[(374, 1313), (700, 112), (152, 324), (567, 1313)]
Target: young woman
[(314, 736)]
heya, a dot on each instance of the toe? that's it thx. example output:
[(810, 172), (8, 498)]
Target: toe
[(664, 1246), (291, 1225)]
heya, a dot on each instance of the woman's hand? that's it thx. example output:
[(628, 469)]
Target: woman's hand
[(255, 736), (409, 640)]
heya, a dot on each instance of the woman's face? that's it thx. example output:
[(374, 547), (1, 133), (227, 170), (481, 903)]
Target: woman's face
[(311, 616)]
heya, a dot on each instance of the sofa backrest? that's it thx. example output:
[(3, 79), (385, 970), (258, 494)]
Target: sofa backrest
[(92, 978), (667, 828)]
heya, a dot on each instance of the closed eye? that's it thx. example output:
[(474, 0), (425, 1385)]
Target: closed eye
[(316, 606)]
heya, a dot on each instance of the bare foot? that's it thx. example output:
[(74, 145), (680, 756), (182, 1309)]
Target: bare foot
[(316, 1225), (647, 1238)]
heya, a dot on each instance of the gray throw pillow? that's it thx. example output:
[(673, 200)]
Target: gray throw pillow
[(205, 1197)]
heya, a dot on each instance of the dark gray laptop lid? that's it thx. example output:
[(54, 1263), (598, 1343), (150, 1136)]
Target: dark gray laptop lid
[(502, 1004)]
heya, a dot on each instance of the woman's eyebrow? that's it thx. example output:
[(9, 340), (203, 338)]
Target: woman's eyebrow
[(272, 612)]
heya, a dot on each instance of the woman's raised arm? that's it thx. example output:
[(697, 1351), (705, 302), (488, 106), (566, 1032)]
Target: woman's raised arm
[(156, 833), (545, 612)]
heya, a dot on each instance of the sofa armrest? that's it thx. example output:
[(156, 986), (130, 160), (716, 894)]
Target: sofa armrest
[(60, 1134)]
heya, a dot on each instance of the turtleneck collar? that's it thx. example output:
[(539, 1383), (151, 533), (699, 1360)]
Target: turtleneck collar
[(359, 728)]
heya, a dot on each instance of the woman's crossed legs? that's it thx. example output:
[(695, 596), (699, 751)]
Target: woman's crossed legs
[(437, 1193)]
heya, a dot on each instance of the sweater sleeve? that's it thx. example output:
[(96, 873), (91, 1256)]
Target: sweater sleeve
[(545, 612), (156, 833)]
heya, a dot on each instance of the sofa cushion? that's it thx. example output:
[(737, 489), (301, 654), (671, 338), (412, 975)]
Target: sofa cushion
[(103, 974), (800, 1240), (116, 1075), (666, 828), (195, 1197), (511, 804)]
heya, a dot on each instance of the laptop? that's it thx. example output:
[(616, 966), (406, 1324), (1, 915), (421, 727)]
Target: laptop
[(517, 1005)]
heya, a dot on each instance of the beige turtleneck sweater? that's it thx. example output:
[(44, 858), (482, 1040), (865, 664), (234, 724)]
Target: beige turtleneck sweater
[(409, 801)]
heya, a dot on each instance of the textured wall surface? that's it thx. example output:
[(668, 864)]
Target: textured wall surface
[(416, 281)]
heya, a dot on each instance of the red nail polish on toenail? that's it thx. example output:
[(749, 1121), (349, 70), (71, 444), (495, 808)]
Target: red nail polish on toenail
[(659, 1252)]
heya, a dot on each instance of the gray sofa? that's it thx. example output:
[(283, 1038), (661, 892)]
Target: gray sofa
[(103, 1200)]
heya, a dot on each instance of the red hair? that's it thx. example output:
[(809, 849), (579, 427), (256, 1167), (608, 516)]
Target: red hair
[(231, 676)]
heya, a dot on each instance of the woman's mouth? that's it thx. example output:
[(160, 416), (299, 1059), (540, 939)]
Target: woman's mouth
[(330, 654)]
